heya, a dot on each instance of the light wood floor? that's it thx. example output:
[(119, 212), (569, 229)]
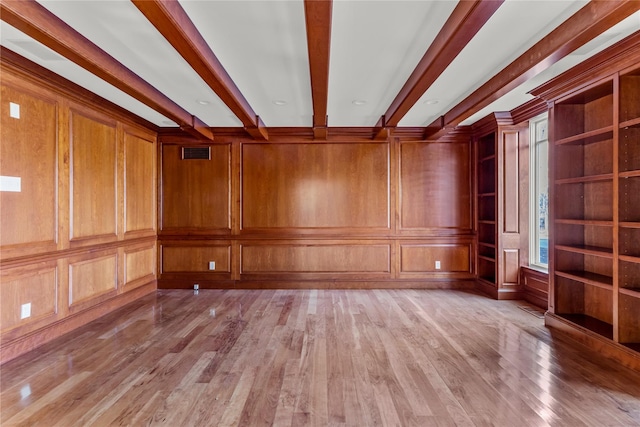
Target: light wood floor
[(356, 358)]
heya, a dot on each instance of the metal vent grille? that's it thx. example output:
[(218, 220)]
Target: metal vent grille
[(196, 153)]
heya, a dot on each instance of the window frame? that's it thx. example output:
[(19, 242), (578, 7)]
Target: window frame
[(534, 217)]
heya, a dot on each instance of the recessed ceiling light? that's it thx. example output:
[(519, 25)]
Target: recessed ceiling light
[(279, 102), (203, 102), (431, 101), (359, 102)]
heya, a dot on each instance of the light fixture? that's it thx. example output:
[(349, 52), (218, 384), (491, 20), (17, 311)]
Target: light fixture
[(431, 101), (203, 102), (279, 102), (359, 102)]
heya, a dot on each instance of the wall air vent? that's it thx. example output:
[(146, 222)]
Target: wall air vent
[(196, 153)]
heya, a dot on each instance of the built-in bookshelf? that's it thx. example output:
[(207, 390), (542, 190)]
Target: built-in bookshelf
[(595, 205), (497, 146)]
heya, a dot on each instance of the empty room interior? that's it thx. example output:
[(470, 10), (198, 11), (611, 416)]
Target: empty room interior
[(317, 212)]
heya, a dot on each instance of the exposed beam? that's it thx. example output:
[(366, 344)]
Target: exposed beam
[(318, 20), (463, 24), (37, 22), (171, 20), (587, 23)]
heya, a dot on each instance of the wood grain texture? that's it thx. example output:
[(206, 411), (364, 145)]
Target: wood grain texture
[(22, 140), (93, 150), (195, 258), (174, 24), (91, 277), (196, 193), (315, 186), (422, 258), (139, 184), (139, 264), (313, 257), (435, 185), (318, 358), (36, 21), (36, 285)]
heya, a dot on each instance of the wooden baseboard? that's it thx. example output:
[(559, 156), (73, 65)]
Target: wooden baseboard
[(316, 284), (608, 348), (11, 349)]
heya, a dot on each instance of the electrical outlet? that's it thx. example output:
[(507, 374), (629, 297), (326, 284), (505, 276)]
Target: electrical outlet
[(25, 310), (196, 287), (212, 265), (437, 265), (14, 110)]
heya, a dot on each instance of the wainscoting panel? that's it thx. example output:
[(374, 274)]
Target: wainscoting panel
[(33, 286), (315, 186), (28, 144)]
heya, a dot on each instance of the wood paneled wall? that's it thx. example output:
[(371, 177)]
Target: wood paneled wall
[(294, 212), (79, 237)]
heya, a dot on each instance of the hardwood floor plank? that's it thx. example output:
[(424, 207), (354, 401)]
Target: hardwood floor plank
[(317, 357)]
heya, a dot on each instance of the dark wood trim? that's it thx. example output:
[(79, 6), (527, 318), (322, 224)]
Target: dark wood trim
[(590, 21), (318, 22), (31, 71), (37, 22), (626, 51), (463, 24), (316, 284), (174, 24), (529, 110)]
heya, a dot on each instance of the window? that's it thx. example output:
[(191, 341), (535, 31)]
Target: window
[(539, 181)]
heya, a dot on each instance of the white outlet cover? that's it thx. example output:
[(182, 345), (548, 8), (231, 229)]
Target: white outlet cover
[(437, 265), (14, 110), (25, 310), (212, 265)]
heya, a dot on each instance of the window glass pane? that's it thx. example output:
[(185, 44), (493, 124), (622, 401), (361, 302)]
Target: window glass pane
[(539, 182)]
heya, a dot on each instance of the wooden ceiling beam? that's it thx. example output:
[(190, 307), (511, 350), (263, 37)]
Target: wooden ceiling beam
[(171, 20), (318, 22), (583, 26), (463, 24), (37, 22)]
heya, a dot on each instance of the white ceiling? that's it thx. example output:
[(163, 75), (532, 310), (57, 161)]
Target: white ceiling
[(375, 45)]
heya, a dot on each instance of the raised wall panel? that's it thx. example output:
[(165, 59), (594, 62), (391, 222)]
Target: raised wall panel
[(182, 259), (510, 181), (196, 193), (28, 149), (93, 150), (140, 184), (36, 285), (316, 258), (139, 264), (315, 186), (511, 265), (91, 278), (423, 257), (435, 185)]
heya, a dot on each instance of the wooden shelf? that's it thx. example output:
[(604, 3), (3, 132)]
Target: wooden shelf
[(589, 137), (630, 123), (628, 258), (487, 158), (632, 292), (595, 222), (629, 174), (590, 323), (589, 278), (486, 258), (583, 179), (489, 245), (486, 194), (587, 250), (628, 224), (484, 221)]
